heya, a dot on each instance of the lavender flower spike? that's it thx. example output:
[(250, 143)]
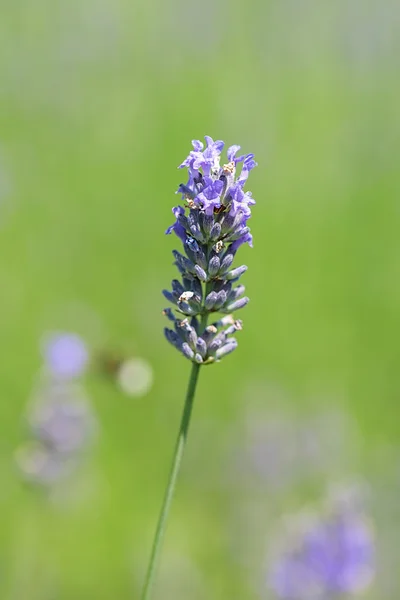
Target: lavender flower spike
[(329, 555), (212, 225)]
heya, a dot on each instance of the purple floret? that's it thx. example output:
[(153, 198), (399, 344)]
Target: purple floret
[(176, 227), (292, 580), (210, 197)]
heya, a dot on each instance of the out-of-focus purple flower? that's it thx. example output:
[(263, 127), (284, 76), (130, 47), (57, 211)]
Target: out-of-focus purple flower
[(269, 454), (340, 552), (329, 555), (65, 354), (62, 425), (63, 418), (41, 465), (279, 450), (291, 579)]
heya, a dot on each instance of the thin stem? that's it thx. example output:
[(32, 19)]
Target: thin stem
[(176, 463)]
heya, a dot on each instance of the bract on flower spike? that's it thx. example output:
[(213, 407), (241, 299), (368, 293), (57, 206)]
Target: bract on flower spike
[(212, 225)]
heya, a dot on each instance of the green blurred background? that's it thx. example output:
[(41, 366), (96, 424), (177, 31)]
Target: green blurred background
[(98, 103)]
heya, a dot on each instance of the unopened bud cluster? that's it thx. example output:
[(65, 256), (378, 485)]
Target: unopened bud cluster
[(211, 225)]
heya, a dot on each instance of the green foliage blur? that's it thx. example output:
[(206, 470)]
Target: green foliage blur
[(98, 103)]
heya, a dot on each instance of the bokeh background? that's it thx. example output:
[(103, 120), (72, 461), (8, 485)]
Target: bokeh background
[(98, 103)]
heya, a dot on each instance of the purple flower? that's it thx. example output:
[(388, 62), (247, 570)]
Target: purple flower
[(207, 160), (291, 579), (65, 355), (195, 157), (211, 231), (246, 238), (62, 418), (177, 227), (248, 164), (340, 552), (211, 155), (211, 186), (231, 154), (40, 465), (209, 198), (62, 424), (331, 555)]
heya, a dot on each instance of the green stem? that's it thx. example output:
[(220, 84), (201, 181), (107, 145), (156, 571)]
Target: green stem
[(176, 463)]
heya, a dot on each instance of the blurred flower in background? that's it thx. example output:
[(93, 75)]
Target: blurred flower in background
[(61, 421), (65, 354), (40, 465), (278, 457), (61, 417), (324, 554), (276, 449)]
